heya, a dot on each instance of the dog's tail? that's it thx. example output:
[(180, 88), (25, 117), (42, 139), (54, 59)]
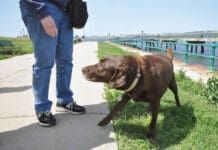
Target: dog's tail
[(170, 53)]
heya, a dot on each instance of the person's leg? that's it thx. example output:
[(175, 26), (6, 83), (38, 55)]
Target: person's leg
[(44, 52), (64, 66), (64, 61)]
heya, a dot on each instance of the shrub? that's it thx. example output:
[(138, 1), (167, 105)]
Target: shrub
[(181, 75), (211, 91), (186, 83)]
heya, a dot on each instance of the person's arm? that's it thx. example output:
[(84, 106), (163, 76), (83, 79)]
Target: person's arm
[(48, 23)]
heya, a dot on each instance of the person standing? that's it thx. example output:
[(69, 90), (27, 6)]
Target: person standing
[(48, 25)]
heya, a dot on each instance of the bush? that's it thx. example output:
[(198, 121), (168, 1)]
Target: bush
[(211, 91), (181, 75), (18, 52), (186, 83)]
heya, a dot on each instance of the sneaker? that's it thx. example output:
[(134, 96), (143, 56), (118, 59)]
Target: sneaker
[(71, 107), (46, 119)]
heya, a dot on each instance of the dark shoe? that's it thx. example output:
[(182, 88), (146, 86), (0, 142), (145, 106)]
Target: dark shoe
[(46, 119), (71, 107)]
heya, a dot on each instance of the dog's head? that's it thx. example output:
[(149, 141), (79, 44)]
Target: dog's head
[(111, 70)]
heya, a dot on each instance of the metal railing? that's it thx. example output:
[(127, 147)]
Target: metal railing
[(188, 50)]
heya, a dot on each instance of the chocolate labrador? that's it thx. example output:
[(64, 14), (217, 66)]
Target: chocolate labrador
[(142, 78)]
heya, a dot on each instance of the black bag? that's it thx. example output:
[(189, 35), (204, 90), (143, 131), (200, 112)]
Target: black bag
[(78, 13)]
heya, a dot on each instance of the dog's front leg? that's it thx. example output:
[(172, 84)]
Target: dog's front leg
[(154, 111), (124, 100)]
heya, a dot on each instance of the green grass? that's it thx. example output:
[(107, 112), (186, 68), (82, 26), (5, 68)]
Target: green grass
[(106, 49), (24, 43), (193, 126)]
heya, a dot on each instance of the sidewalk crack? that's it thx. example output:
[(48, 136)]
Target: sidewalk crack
[(9, 75), (15, 117), (31, 116)]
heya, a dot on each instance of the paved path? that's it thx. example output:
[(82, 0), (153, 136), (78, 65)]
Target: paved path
[(18, 125)]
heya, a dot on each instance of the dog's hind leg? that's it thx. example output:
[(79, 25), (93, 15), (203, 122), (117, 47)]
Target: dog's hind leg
[(124, 100), (174, 89)]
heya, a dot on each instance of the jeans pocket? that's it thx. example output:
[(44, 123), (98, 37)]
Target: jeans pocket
[(25, 14), (30, 19)]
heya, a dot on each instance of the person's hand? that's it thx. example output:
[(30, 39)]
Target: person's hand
[(49, 26)]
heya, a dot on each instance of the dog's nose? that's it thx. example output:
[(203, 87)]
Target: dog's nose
[(84, 70)]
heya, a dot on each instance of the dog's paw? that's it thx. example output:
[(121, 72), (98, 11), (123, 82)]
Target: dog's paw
[(103, 123)]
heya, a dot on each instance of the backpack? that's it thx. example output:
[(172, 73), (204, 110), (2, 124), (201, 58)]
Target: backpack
[(78, 13)]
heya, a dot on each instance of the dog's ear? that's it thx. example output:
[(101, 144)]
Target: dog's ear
[(118, 79)]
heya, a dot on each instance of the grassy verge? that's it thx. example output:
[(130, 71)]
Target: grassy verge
[(193, 126), (106, 49), (24, 43)]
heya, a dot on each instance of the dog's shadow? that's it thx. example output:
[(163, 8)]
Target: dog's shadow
[(176, 124)]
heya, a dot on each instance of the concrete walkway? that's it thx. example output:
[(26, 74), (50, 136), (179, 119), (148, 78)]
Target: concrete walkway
[(18, 125)]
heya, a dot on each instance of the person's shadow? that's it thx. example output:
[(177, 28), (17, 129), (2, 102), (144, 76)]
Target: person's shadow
[(177, 123), (14, 89), (72, 132)]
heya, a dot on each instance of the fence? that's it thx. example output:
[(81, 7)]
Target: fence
[(197, 52)]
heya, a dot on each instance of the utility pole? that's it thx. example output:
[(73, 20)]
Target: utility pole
[(109, 37)]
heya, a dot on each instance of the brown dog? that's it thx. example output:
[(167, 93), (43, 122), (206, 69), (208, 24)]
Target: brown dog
[(143, 78)]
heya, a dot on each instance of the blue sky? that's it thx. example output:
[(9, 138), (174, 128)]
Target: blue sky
[(130, 16)]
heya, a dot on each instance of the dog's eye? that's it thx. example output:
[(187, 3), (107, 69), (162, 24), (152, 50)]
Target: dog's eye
[(100, 70), (103, 60)]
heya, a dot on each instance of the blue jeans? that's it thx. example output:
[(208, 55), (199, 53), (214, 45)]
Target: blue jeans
[(47, 51)]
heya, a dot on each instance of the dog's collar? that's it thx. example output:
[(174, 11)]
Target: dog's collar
[(114, 75), (136, 80)]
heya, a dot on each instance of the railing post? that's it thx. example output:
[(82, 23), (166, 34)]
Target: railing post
[(143, 42), (196, 49), (212, 57), (186, 53), (191, 48), (171, 45), (147, 46), (142, 45), (158, 45), (136, 42), (174, 46), (161, 45), (202, 49), (153, 45)]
